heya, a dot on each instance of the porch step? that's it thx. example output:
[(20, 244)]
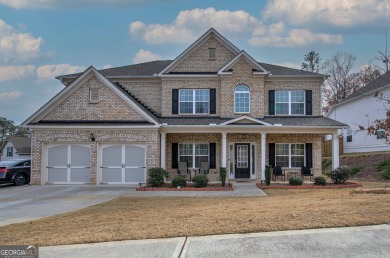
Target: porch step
[(243, 180)]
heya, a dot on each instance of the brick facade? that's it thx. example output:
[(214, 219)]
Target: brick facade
[(78, 107), (198, 60), (156, 93)]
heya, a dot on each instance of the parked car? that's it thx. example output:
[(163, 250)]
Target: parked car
[(15, 171)]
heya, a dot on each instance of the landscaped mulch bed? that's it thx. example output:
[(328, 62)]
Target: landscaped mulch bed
[(327, 186), (187, 188)]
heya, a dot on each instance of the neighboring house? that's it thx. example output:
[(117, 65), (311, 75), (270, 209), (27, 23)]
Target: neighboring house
[(361, 109), (213, 103), (16, 147)]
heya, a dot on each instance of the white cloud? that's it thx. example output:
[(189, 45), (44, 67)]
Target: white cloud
[(190, 23), (51, 71), (10, 95), (145, 56), (295, 38), (17, 47), (338, 13), (26, 4), (288, 64), (107, 66), (16, 72)]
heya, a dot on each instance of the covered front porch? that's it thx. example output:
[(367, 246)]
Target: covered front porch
[(244, 150)]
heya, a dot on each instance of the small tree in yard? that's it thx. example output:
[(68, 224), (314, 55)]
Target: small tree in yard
[(156, 176), (268, 172), (222, 175)]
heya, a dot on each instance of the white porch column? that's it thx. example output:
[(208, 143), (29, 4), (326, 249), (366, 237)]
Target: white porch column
[(223, 159), (163, 148), (263, 144), (335, 151)]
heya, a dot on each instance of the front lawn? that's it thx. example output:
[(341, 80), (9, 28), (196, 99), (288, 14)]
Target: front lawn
[(160, 217)]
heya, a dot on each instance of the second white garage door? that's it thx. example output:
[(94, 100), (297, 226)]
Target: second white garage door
[(123, 164)]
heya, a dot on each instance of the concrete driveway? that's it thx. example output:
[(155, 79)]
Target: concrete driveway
[(24, 203)]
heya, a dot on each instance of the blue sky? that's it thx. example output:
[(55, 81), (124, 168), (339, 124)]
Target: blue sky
[(40, 39)]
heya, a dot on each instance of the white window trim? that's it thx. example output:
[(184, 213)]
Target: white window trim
[(214, 50), (289, 154), (249, 97), (194, 151), (94, 95), (290, 102), (194, 103)]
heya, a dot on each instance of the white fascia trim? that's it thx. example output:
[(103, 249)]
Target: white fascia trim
[(245, 117), (92, 127), (249, 58), (189, 76), (197, 43), (297, 76)]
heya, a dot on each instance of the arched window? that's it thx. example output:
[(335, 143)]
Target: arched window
[(241, 99)]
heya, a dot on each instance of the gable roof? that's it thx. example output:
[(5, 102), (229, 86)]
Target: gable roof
[(21, 144), (370, 88), (211, 32), (242, 120), (257, 67), (77, 83)]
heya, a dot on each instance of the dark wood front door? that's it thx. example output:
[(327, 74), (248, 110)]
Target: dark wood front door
[(242, 160)]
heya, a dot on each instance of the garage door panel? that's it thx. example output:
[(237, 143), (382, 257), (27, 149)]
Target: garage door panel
[(135, 175), (80, 175), (58, 156), (80, 156), (112, 156), (57, 175), (135, 156), (113, 175)]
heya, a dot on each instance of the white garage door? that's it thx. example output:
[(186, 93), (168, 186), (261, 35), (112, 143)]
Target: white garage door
[(123, 164), (68, 164)]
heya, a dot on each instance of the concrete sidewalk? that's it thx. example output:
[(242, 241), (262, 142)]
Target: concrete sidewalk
[(369, 241)]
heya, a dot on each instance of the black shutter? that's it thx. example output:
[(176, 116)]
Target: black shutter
[(309, 102), (213, 155), (175, 101), (175, 155), (271, 152), (271, 102), (309, 155), (213, 102)]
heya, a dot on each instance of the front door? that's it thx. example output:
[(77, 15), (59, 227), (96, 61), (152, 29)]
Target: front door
[(242, 160)]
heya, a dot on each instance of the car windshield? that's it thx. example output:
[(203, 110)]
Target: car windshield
[(9, 163)]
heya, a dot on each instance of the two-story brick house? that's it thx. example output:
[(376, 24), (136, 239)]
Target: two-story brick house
[(213, 103)]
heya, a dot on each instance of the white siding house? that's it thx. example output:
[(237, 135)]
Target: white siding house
[(16, 148), (361, 109)]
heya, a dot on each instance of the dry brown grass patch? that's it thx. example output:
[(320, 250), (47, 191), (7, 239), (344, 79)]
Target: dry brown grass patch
[(142, 218)]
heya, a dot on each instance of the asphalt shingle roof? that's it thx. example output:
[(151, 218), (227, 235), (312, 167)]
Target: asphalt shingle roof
[(155, 67), (21, 144), (382, 81), (284, 121)]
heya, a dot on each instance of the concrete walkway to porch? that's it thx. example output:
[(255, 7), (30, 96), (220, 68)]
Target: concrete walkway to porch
[(241, 189)]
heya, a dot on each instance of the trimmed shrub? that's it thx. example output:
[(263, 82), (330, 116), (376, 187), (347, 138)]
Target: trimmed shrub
[(354, 171), (384, 166), (319, 180), (295, 181), (222, 175), (200, 181), (268, 172), (386, 173), (340, 175), (179, 181), (156, 176)]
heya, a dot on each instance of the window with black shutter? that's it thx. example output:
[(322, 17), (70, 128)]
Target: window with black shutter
[(175, 155), (213, 101), (175, 101), (271, 102), (271, 154), (309, 103), (309, 155)]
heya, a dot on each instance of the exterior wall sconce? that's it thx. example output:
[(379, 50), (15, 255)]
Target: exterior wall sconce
[(91, 137)]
